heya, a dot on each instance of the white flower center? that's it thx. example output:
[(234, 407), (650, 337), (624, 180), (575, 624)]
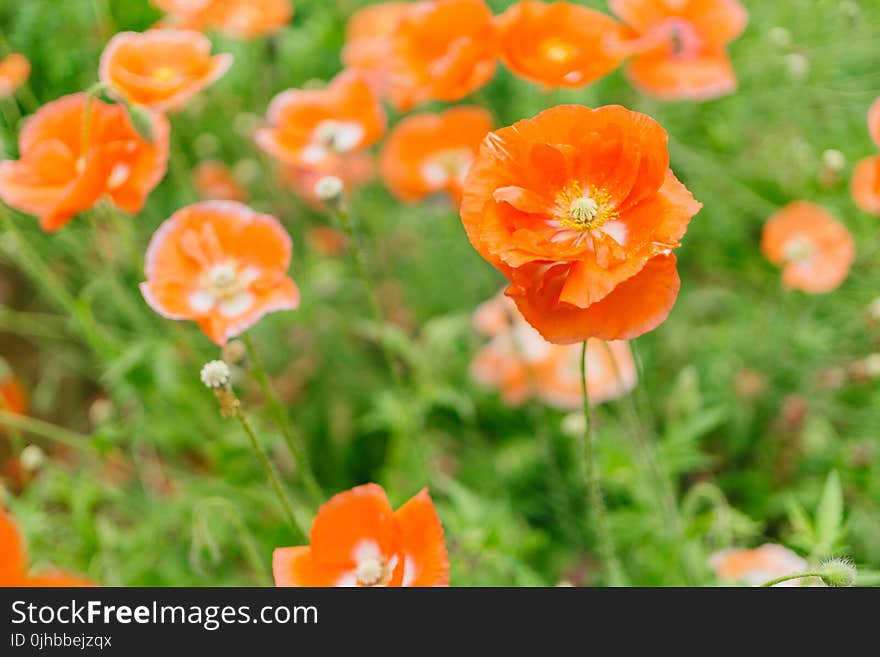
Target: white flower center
[(224, 286)]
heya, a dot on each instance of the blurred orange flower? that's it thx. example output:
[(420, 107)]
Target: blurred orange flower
[(239, 19), (865, 184), (558, 44), (314, 127), (13, 397), (221, 264), (521, 364), (14, 563), (758, 565), (813, 248), (66, 166), (160, 69), (353, 170), (577, 207), (441, 50), (357, 539), (215, 182), (14, 72), (679, 46), (327, 241), (428, 153), (368, 42)]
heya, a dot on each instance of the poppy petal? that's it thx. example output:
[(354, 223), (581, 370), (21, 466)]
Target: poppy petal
[(426, 562)]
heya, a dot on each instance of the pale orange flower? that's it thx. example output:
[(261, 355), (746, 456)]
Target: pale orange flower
[(865, 184), (313, 128), (59, 173), (353, 170), (814, 249), (14, 562), (220, 264), (874, 121), (521, 364), (578, 208), (558, 44), (368, 42), (215, 182), (327, 241), (756, 566), (14, 72), (679, 46), (160, 69), (239, 19), (428, 153), (357, 539), (441, 50)]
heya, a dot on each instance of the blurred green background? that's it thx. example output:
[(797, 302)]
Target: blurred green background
[(753, 392)]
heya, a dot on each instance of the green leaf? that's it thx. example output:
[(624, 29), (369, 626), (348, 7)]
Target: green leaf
[(829, 514)]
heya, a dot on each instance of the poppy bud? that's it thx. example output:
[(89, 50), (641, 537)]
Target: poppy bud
[(838, 572)]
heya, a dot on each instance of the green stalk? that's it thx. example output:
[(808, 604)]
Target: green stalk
[(294, 442), (591, 473)]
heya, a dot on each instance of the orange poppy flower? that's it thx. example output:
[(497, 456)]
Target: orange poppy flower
[(558, 44), (357, 539), (441, 50), (865, 184), (679, 46), (160, 69), (521, 364), (813, 248), (220, 264), (428, 153), (14, 563), (314, 127), (874, 121), (14, 72), (60, 174), (353, 170), (368, 42), (757, 566), (215, 182), (578, 208), (239, 19)]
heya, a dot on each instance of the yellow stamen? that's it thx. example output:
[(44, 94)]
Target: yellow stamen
[(583, 210), (557, 50), (164, 74)]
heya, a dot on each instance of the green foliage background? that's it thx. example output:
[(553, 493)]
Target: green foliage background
[(196, 509)]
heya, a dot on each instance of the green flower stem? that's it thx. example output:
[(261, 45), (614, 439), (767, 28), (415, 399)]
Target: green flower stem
[(658, 475), (300, 535), (591, 472), (45, 429), (360, 260), (294, 441), (786, 578)]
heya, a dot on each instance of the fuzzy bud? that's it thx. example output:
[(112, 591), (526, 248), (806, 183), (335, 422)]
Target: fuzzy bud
[(215, 374), (838, 572), (329, 189)]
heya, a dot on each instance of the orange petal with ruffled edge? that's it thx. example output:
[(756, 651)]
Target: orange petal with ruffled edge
[(426, 562), (865, 185), (636, 306), (294, 566)]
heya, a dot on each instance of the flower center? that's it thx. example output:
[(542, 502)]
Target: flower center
[(163, 74), (581, 209), (340, 136), (558, 50), (373, 571), (798, 249), (446, 166), (223, 280)]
